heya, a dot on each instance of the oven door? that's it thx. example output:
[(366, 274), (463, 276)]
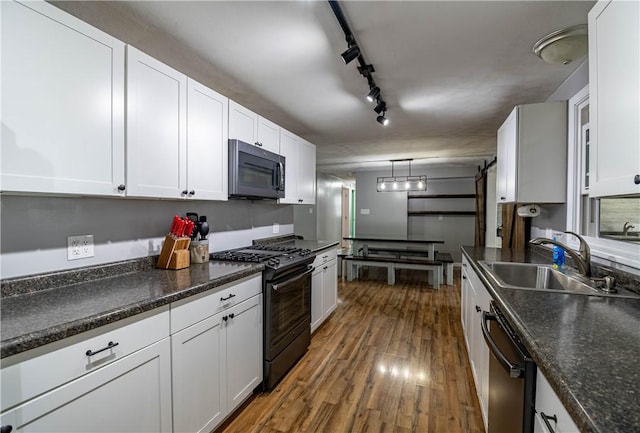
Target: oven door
[(288, 305)]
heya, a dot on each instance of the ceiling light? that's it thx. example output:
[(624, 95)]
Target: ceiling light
[(563, 46), (380, 107), (351, 54), (382, 119), (401, 183), (373, 93)]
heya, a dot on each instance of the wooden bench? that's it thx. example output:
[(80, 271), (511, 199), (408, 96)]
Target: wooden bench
[(433, 268), (447, 261)]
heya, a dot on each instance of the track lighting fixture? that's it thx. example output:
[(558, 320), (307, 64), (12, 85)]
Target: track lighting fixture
[(350, 54), (365, 69), (380, 106), (373, 94)]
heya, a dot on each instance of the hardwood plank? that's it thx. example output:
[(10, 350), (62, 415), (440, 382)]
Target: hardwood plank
[(389, 359)]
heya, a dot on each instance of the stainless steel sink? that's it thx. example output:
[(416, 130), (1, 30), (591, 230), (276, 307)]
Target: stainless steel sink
[(531, 276)]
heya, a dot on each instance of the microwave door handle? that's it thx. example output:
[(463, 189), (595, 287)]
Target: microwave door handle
[(280, 184), (515, 371)]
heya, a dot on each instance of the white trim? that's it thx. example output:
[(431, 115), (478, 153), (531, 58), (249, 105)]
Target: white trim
[(576, 103)]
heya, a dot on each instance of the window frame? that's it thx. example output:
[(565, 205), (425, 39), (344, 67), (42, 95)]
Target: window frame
[(607, 250)]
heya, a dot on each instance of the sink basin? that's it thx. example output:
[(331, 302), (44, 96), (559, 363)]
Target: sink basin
[(530, 276), (536, 277)]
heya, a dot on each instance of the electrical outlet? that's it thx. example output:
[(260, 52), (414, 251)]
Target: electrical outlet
[(79, 247), (276, 228)]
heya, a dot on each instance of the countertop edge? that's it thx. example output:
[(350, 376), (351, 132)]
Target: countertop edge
[(40, 338), (557, 382)]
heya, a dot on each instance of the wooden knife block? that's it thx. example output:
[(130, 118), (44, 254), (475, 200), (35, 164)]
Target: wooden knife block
[(175, 253)]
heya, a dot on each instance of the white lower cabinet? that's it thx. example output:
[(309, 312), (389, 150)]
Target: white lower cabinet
[(324, 287), (551, 416), (474, 299), (128, 394), (217, 360)]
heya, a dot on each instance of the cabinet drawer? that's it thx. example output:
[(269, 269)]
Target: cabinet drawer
[(194, 309), (324, 256), (50, 368)]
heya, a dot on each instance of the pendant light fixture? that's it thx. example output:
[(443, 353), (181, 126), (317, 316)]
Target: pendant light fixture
[(401, 183)]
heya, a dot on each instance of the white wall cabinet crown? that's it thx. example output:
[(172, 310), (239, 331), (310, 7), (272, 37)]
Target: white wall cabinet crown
[(300, 169), (324, 286), (247, 126), (614, 104), (62, 103), (532, 154)]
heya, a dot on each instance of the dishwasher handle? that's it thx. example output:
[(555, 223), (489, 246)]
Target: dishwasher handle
[(515, 371)]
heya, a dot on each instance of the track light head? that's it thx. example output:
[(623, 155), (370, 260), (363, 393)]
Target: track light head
[(382, 119), (350, 54), (380, 107), (373, 93)]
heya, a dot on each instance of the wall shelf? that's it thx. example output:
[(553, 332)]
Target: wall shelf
[(442, 196), (438, 212)]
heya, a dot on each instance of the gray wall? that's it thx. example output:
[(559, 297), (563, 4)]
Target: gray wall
[(554, 216), (34, 230), (322, 220), (379, 214)]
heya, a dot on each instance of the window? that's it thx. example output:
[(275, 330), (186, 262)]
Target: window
[(611, 225)]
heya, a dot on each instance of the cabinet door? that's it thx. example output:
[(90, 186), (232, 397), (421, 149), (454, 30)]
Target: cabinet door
[(156, 128), (129, 395), (329, 288), (207, 143), (268, 135), (306, 172), (199, 401), (289, 149), (243, 329), (507, 164), (62, 103), (614, 81), (316, 297), (243, 123)]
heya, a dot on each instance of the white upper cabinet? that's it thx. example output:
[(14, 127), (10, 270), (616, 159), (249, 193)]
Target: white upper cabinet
[(532, 154), (156, 128), (300, 169), (247, 126), (62, 103), (614, 89), (207, 138)]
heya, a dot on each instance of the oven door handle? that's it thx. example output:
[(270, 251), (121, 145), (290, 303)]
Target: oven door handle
[(283, 286), (515, 371)]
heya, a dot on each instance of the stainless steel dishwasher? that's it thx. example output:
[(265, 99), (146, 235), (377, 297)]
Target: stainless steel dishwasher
[(512, 377)]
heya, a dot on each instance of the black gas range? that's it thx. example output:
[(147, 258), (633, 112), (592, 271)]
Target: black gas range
[(278, 260), (287, 304)]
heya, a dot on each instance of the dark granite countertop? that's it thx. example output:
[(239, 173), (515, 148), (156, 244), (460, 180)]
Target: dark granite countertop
[(295, 241), (588, 347), (36, 315)]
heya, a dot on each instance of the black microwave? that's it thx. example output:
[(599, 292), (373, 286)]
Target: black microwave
[(254, 173)]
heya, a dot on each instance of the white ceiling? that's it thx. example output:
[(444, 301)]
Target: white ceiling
[(450, 71)]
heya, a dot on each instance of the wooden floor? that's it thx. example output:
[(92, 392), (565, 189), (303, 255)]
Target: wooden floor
[(389, 359)]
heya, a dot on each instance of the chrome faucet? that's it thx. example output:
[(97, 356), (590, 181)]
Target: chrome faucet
[(626, 227), (582, 257)]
